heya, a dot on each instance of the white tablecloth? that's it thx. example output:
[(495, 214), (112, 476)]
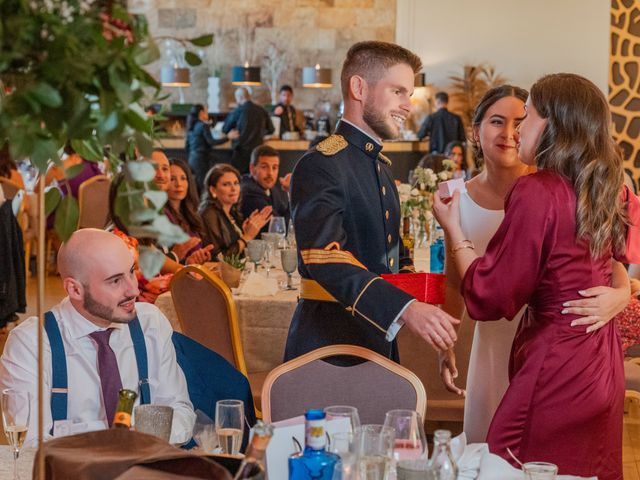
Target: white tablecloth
[(25, 462)]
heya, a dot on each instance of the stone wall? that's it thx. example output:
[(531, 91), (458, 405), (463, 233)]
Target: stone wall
[(307, 31)]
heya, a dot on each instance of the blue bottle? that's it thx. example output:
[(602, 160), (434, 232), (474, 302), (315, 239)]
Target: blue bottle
[(436, 252), (314, 463)]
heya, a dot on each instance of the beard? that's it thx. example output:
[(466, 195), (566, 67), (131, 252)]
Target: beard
[(105, 312), (379, 122)]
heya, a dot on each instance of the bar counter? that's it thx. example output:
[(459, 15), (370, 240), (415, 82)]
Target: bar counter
[(404, 155)]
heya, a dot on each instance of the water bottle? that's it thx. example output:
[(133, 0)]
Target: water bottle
[(442, 458), (314, 463), (436, 251)]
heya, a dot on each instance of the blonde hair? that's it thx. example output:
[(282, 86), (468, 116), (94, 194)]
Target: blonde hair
[(577, 143)]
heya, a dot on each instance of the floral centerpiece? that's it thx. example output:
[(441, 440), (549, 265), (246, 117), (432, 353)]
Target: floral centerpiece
[(416, 198)]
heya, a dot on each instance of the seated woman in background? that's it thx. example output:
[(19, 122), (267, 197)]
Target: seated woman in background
[(71, 185), (455, 152), (182, 210), (149, 288), (223, 224)]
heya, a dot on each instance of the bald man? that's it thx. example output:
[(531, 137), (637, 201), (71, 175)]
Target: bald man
[(97, 272)]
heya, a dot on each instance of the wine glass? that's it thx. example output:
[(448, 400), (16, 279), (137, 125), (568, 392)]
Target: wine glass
[(272, 240), (344, 411), (289, 258), (374, 448), (409, 442), (277, 225), (255, 251), (291, 235), (343, 444), (230, 425), (15, 421)]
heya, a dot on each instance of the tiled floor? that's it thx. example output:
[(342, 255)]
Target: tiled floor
[(631, 441)]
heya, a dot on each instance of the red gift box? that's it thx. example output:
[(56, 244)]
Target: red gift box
[(425, 287)]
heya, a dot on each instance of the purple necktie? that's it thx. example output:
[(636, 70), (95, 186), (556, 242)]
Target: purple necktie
[(109, 373)]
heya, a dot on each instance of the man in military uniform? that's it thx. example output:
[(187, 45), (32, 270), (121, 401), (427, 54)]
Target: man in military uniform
[(347, 218)]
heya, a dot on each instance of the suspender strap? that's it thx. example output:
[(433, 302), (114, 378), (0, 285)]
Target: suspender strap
[(59, 384), (140, 349)]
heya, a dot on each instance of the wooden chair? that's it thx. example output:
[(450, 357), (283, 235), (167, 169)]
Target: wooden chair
[(421, 359), (374, 387), (93, 202), (207, 313)]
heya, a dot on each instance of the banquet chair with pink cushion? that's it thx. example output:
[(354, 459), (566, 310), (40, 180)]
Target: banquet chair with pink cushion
[(93, 202), (207, 313), (421, 359), (374, 386)]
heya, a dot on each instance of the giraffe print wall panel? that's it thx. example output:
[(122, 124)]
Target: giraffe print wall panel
[(624, 81)]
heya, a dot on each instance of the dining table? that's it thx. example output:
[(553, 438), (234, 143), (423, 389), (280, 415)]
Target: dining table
[(264, 319)]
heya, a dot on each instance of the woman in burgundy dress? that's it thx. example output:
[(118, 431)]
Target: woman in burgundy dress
[(562, 227)]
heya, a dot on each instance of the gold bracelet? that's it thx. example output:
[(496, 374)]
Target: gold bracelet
[(465, 245)]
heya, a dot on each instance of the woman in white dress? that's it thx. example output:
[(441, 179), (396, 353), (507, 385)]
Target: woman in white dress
[(495, 139)]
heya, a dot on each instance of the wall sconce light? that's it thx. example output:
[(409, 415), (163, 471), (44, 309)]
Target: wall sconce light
[(316, 77), (245, 75), (174, 77), (420, 80)]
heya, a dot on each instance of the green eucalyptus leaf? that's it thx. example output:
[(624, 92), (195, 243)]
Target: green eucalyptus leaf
[(46, 95), (151, 261), (141, 171), (140, 122), (168, 233), (42, 151), (67, 217), (52, 199), (202, 41), (73, 171), (110, 122), (157, 197), (141, 215), (88, 149), (144, 143), (192, 59)]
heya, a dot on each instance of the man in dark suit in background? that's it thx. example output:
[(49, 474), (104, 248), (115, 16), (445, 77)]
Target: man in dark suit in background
[(261, 187), (286, 111), (246, 127), (442, 126)]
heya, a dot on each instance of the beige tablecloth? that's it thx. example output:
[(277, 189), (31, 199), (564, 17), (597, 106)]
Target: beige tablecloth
[(25, 462), (264, 324)]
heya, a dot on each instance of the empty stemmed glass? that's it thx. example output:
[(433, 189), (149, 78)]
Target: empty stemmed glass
[(278, 226), (15, 421), (409, 442), (255, 251), (289, 258), (272, 240)]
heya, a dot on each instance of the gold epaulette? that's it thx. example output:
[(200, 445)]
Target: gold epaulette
[(384, 159), (332, 145)]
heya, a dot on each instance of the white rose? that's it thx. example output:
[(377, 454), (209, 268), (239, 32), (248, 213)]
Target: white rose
[(443, 176)]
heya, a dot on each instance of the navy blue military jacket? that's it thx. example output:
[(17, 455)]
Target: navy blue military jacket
[(346, 214)]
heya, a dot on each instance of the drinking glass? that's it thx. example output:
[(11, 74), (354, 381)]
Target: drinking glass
[(230, 425), (278, 225), (420, 469), (291, 235), (410, 442), (375, 450), (344, 411), (539, 471), (272, 240), (15, 421), (344, 445), (289, 259), (255, 251)]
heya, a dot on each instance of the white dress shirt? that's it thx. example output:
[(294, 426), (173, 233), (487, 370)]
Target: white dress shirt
[(85, 408)]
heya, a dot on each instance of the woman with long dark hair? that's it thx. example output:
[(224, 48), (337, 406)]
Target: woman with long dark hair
[(223, 222), (182, 210), (199, 144), (563, 225)]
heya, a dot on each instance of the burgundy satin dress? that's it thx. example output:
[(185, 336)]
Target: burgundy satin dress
[(564, 403)]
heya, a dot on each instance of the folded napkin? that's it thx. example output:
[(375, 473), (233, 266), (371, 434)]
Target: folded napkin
[(259, 286), (122, 454), (493, 467)]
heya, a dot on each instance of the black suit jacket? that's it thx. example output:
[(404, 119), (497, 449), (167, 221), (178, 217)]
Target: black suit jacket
[(254, 197)]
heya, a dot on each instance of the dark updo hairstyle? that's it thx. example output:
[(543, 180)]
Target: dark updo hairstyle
[(211, 180), (193, 116), (487, 101)]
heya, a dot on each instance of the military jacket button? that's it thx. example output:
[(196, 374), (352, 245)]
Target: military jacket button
[(386, 214), (391, 262)]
